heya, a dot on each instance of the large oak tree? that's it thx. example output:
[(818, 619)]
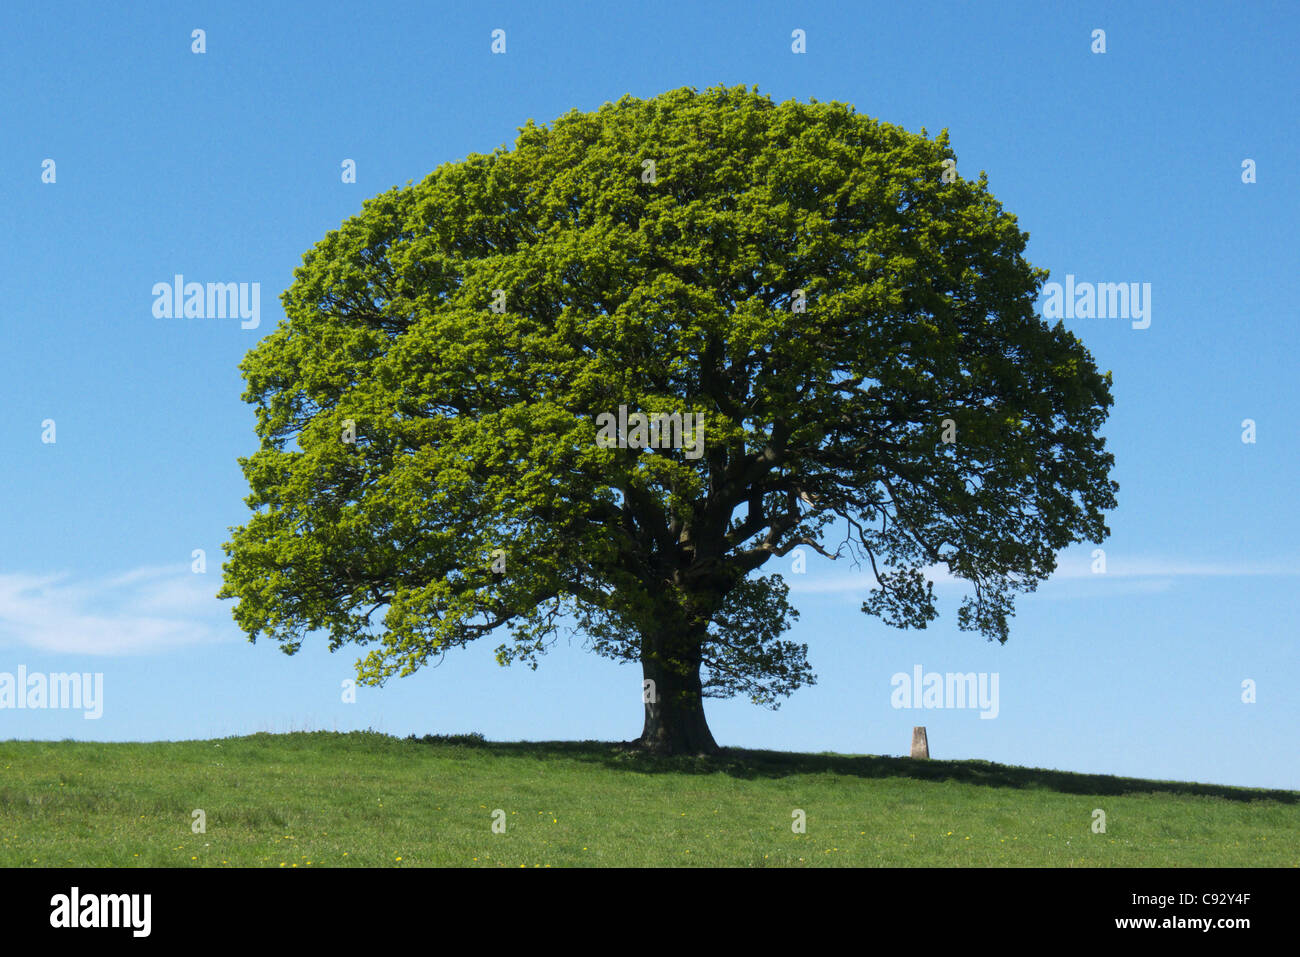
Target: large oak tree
[(856, 328)]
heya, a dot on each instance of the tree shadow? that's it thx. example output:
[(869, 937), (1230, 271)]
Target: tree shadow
[(749, 764)]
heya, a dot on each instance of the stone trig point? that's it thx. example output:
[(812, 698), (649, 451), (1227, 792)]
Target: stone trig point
[(920, 745)]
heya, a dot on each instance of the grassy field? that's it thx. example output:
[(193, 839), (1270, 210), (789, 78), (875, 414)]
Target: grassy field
[(329, 800)]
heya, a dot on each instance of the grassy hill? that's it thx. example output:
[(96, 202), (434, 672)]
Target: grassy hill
[(324, 799)]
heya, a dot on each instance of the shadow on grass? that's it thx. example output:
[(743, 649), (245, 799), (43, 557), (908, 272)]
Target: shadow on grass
[(743, 763)]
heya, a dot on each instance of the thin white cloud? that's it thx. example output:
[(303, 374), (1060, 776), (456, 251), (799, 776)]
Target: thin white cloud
[(1073, 569), (843, 583), (1120, 567), (144, 610)]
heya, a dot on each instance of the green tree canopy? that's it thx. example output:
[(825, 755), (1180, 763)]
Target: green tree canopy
[(855, 328)]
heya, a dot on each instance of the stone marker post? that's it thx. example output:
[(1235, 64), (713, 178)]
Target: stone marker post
[(920, 745)]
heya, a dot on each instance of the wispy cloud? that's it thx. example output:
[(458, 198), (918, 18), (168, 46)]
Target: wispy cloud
[(1140, 567), (1071, 569), (143, 610)]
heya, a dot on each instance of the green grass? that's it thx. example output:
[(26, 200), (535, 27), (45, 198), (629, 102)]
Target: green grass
[(323, 799)]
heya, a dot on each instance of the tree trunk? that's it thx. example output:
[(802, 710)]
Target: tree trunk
[(674, 704)]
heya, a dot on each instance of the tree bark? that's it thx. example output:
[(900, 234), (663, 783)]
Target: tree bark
[(674, 702)]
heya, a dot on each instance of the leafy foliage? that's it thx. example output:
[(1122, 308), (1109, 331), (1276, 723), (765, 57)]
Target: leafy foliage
[(476, 429)]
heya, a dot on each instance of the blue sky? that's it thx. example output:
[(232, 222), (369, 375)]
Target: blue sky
[(1123, 167)]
